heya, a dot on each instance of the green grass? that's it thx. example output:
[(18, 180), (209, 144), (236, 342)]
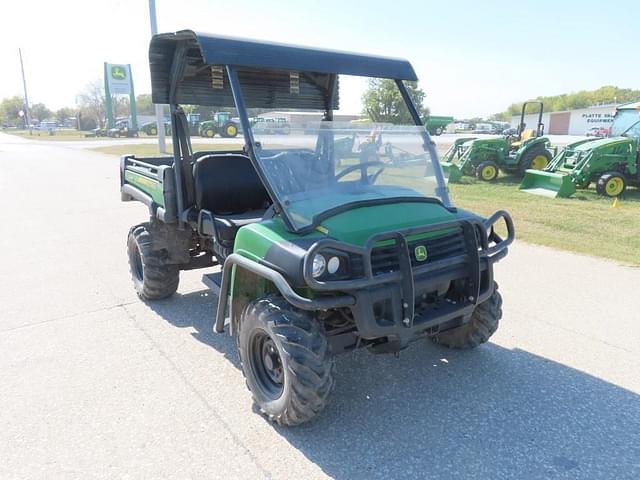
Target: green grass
[(60, 135), (150, 150), (585, 223)]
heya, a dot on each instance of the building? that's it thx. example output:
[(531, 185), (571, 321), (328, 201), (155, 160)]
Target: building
[(571, 122), (302, 118)]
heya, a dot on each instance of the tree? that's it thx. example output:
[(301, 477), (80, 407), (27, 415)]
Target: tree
[(9, 108), (383, 102), (63, 114), (582, 99), (92, 103), (40, 112), (144, 104)]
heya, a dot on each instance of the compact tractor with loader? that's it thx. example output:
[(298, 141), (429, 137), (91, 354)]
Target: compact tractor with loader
[(611, 163), (485, 157), (318, 257)]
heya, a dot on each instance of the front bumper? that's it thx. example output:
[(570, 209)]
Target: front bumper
[(408, 300)]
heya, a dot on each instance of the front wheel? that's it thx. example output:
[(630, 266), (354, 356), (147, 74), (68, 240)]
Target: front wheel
[(438, 131), (611, 184), (487, 171), (483, 323), (286, 360)]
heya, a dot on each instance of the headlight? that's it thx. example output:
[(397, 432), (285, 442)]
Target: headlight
[(333, 265), (319, 266)]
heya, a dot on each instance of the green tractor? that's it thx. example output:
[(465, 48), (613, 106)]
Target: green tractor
[(318, 257), (221, 124), (151, 128), (485, 157), (611, 163)]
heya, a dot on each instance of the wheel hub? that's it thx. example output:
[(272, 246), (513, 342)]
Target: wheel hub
[(266, 364)]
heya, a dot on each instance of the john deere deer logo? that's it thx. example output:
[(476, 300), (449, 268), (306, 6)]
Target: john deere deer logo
[(421, 253), (118, 73)]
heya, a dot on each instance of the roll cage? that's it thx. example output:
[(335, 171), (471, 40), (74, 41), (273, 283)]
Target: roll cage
[(201, 69)]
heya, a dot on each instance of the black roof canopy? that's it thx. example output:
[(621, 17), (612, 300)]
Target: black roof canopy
[(265, 71)]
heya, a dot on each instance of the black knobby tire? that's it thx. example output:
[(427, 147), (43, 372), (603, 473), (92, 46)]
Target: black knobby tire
[(483, 323), (605, 181), (304, 378), (438, 131), (528, 157), (152, 277)]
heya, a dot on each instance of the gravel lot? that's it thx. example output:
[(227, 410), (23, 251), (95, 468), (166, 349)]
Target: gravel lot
[(96, 384)]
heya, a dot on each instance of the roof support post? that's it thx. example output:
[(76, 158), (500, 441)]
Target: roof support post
[(442, 190), (250, 144)]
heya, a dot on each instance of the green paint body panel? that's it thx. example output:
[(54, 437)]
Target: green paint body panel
[(583, 162), (151, 186)]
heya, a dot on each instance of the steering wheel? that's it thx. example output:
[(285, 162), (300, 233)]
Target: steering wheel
[(361, 166)]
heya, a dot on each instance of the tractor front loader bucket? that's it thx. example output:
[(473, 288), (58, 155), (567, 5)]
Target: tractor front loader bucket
[(548, 184), (451, 171)]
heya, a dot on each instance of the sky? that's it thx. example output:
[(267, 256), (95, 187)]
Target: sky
[(473, 58)]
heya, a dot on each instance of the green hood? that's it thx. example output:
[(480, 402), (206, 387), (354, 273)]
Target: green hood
[(357, 225), (586, 146)]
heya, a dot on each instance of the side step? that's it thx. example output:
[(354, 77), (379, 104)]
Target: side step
[(214, 281)]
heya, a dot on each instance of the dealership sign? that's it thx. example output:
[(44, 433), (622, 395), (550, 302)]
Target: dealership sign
[(119, 79), (598, 117)]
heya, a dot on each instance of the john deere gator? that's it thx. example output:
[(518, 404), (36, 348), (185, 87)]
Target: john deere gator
[(611, 163), (485, 157), (317, 256)]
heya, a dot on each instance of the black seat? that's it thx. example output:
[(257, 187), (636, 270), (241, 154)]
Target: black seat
[(228, 186)]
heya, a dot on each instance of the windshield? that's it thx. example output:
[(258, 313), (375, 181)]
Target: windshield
[(315, 166), (624, 121)]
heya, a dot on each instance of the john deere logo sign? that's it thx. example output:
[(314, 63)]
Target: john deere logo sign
[(118, 78), (118, 72), (421, 253)]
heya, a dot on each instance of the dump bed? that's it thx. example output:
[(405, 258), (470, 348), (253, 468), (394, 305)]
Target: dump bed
[(149, 180)]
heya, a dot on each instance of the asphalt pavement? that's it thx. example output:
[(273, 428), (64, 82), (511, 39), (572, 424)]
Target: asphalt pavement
[(97, 384)]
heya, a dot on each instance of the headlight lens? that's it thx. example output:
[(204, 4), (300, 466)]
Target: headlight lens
[(319, 265), (333, 265)]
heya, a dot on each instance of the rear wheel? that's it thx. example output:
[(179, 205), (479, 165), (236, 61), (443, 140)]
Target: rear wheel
[(152, 277), (286, 360), (487, 171), (230, 130), (483, 323), (611, 184), (438, 131), (536, 160)]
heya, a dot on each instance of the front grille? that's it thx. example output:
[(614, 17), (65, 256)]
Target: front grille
[(385, 259)]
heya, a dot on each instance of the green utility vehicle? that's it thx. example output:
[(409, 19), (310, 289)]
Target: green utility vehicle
[(317, 258), (611, 163), (437, 125), (221, 124), (485, 157)]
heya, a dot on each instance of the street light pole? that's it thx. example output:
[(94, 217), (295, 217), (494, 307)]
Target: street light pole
[(162, 144), (27, 115)]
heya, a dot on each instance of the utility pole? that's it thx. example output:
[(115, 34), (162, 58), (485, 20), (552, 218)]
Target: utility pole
[(27, 115), (162, 144)]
